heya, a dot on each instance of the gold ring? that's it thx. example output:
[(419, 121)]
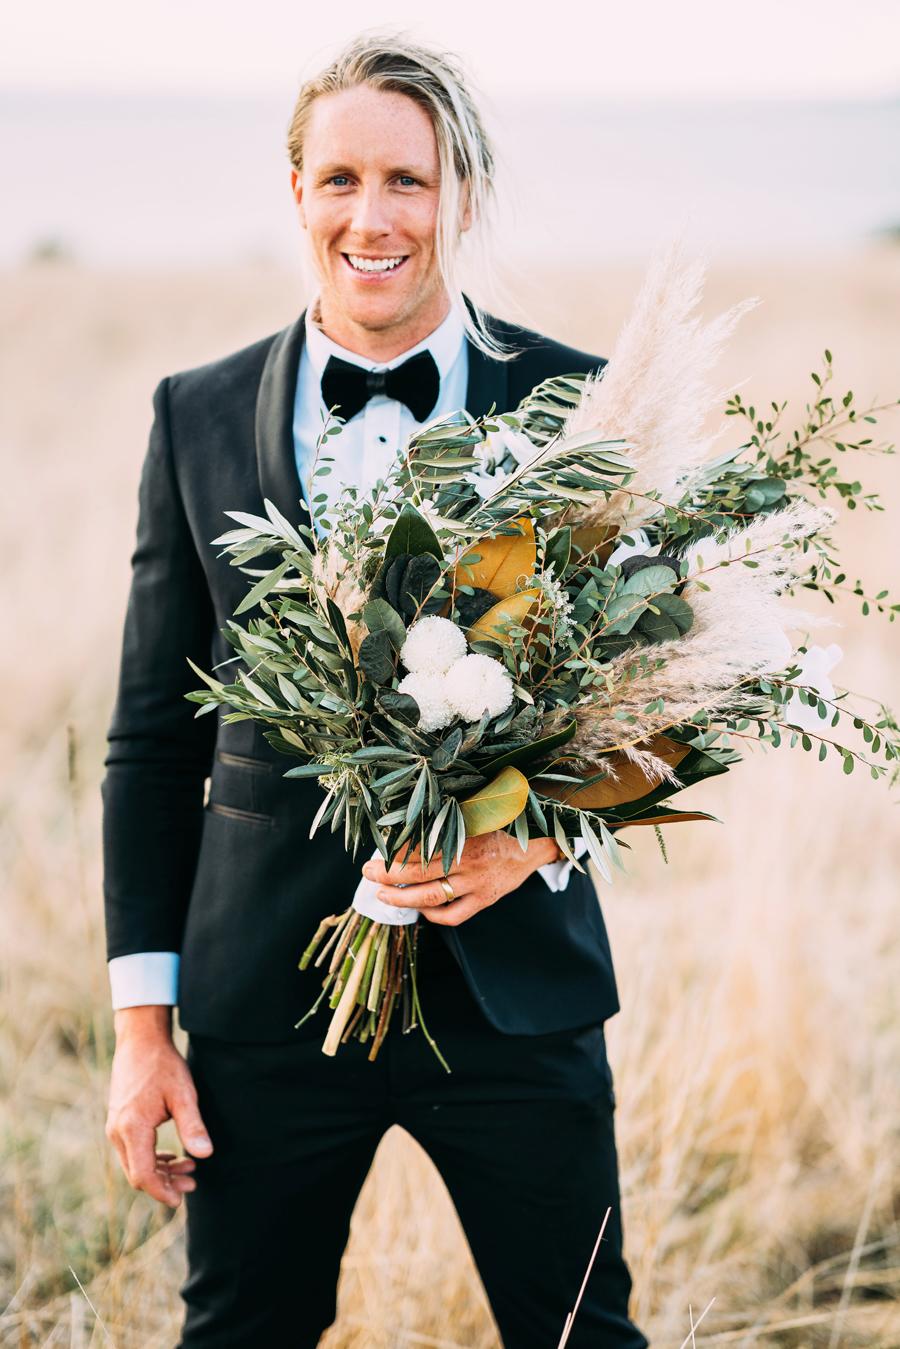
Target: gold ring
[(447, 888)]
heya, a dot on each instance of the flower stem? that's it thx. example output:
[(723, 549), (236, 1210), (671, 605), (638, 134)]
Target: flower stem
[(347, 1002)]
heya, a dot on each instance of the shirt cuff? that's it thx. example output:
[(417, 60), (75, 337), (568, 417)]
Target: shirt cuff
[(145, 979), (557, 874)]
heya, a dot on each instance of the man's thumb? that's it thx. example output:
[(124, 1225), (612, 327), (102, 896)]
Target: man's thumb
[(191, 1129)]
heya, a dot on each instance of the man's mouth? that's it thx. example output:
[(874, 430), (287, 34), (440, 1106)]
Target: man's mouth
[(364, 266)]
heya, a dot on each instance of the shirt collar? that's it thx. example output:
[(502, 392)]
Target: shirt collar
[(444, 343)]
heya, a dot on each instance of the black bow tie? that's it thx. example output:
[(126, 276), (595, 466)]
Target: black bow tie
[(416, 383)]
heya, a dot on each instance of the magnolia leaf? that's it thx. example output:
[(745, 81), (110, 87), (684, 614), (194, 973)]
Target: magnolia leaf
[(376, 659), (400, 705), (497, 804), (669, 817), (416, 585), (629, 785), (594, 539), (492, 625), (413, 534), (535, 749), (379, 616), (503, 560)]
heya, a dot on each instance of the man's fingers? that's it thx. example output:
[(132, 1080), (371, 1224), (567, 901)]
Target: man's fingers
[(175, 1163), (413, 873), (140, 1162), (190, 1126), (427, 896), (454, 913), (179, 1181)]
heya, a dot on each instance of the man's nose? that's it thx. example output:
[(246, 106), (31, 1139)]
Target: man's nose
[(370, 214)]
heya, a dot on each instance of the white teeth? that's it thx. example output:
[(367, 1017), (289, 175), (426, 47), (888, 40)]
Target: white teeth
[(373, 264)]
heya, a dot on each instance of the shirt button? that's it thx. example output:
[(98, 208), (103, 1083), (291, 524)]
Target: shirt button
[(383, 439)]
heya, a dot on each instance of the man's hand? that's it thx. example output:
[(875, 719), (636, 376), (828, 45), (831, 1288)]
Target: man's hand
[(149, 1084), (491, 866)]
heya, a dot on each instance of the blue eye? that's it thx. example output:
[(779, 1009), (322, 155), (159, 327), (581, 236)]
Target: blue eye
[(407, 179), (334, 178)]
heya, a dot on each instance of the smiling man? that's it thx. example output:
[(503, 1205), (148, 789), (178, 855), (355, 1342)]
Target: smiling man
[(210, 895)]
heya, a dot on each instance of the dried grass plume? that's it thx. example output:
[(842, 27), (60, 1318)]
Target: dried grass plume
[(655, 392)]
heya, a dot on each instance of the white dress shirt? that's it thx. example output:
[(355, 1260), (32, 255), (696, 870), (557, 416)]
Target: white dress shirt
[(361, 454)]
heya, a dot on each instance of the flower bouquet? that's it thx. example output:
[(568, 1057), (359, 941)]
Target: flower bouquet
[(549, 622)]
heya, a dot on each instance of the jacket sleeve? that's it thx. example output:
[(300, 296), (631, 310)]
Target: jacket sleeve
[(158, 754)]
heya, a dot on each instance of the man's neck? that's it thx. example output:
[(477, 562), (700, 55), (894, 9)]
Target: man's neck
[(382, 344)]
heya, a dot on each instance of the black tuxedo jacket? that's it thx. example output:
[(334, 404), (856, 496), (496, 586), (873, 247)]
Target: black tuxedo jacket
[(229, 878)]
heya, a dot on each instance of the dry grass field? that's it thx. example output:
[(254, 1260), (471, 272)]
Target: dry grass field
[(757, 1054)]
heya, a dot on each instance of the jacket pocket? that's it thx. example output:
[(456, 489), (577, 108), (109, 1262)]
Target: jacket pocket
[(243, 761), (253, 817)]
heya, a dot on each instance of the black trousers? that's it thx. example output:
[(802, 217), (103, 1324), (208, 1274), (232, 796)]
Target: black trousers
[(521, 1131)]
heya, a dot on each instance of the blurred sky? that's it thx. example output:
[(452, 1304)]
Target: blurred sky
[(154, 134), (659, 49)]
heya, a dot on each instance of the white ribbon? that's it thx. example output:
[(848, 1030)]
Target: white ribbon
[(366, 902)]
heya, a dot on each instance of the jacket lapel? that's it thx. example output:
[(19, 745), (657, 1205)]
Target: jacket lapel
[(275, 459), (488, 381)]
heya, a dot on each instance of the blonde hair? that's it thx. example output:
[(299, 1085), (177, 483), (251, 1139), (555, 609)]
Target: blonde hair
[(436, 82)]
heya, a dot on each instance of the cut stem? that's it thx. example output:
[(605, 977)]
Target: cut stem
[(345, 1007)]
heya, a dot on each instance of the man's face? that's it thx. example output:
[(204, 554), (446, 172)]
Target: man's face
[(368, 196)]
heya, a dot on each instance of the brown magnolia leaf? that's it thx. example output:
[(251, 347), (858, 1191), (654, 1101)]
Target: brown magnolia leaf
[(489, 627), (496, 805), (598, 540), (504, 560), (675, 818), (630, 785)]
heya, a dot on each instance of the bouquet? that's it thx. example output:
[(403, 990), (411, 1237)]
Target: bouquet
[(550, 622)]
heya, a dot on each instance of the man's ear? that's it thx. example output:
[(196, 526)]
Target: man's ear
[(297, 190)]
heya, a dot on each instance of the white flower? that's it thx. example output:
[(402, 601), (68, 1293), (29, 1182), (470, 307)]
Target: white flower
[(815, 665), (497, 444), (432, 645), (430, 692), (486, 484), (504, 443), (476, 683), (641, 546)]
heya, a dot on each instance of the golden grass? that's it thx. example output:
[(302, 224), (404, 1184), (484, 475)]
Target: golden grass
[(757, 1056)]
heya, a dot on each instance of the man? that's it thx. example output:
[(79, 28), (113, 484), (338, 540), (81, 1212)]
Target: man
[(209, 905)]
